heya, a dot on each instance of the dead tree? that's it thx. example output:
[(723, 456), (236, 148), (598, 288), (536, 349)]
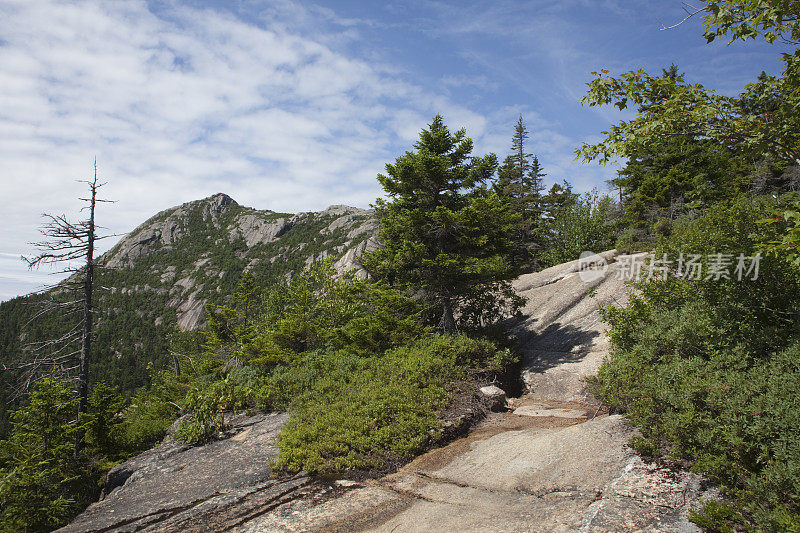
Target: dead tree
[(69, 242)]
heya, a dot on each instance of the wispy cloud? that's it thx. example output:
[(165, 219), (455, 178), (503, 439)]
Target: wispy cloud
[(179, 102)]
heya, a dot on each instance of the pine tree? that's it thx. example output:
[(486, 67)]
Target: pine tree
[(445, 236), (519, 184)]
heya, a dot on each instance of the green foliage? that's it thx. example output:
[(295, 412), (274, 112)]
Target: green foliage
[(709, 369), (783, 229), (716, 516), (444, 234), (579, 224), (42, 485), (750, 19), (151, 411), (674, 178), (104, 423), (373, 413), (207, 406), (260, 350), (363, 380), (762, 121), (316, 310)]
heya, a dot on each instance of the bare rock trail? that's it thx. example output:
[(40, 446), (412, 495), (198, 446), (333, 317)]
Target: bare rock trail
[(554, 461)]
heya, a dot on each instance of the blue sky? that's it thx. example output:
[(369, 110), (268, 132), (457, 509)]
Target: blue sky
[(297, 105)]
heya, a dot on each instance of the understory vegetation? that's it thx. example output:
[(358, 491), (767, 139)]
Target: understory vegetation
[(707, 362), (709, 369)]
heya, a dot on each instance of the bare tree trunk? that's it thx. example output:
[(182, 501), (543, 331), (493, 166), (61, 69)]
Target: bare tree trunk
[(71, 241), (86, 339), (448, 322)]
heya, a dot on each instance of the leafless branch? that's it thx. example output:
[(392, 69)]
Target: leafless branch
[(691, 12)]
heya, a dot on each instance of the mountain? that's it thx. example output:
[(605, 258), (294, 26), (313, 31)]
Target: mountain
[(189, 255), (161, 276)]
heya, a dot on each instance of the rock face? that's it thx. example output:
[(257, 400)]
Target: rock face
[(175, 487), (555, 462), (564, 338), (164, 229), (254, 229)]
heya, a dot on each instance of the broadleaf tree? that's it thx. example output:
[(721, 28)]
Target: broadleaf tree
[(762, 121), (445, 234)]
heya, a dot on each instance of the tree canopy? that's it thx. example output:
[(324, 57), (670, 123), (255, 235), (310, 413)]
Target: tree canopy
[(444, 233)]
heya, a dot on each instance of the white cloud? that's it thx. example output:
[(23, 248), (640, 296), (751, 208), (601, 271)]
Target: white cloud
[(181, 103)]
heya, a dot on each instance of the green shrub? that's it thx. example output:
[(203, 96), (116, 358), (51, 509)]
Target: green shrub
[(371, 413), (104, 423), (709, 371), (152, 411), (207, 406), (362, 378), (586, 223)]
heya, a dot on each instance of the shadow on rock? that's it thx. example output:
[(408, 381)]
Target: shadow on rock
[(557, 344)]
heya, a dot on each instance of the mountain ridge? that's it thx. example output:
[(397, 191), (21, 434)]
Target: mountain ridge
[(160, 277), (163, 232)]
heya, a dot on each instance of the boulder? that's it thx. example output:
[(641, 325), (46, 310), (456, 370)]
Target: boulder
[(494, 396)]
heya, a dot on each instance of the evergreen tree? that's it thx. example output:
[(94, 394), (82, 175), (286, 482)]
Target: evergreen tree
[(669, 177), (42, 485), (519, 184), (444, 234), (559, 197)]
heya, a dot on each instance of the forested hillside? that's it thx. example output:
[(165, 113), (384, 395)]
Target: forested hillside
[(158, 280)]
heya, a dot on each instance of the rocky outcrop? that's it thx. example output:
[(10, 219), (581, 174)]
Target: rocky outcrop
[(164, 229), (350, 259), (563, 336), (554, 462), (176, 487), (255, 230)]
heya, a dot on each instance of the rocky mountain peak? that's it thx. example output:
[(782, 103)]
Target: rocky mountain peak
[(340, 209), (190, 254), (220, 202)]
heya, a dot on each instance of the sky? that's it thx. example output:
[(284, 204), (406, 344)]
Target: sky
[(296, 105)]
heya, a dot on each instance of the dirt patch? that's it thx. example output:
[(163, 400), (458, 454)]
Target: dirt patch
[(491, 425)]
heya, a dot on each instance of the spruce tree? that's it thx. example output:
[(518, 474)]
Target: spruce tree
[(445, 235), (674, 176), (519, 185)]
